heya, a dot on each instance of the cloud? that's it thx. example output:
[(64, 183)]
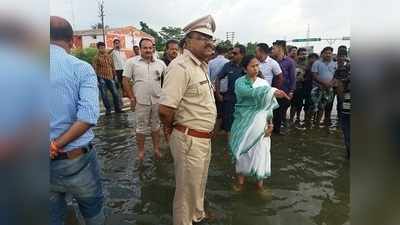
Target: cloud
[(251, 20)]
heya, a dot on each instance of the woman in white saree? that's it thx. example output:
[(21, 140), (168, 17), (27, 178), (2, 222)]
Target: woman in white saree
[(250, 141)]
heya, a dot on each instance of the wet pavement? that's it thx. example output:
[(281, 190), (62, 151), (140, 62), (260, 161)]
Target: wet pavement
[(309, 183)]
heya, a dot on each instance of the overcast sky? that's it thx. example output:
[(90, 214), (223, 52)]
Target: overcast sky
[(251, 20)]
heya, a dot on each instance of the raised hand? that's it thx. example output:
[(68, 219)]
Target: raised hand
[(281, 94)]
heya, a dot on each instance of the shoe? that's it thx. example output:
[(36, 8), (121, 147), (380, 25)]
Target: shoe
[(119, 111), (108, 113)]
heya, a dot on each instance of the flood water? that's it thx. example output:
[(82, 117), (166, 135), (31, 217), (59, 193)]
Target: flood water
[(309, 183)]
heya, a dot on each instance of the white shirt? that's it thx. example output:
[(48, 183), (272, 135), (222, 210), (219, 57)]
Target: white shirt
[(146, 79), (270, 68), (119, 59)]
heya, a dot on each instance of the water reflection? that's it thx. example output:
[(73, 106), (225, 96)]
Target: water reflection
[(309, 183)]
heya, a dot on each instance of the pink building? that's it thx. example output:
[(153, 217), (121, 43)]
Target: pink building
[(128, 36)]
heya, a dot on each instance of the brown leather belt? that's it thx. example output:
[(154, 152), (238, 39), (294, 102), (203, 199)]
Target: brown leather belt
[(74, 153), (193, 133)]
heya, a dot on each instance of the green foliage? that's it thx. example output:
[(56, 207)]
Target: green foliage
[(99, 26), (159, 41), (86, 54), (168, 33), (226, 44), (251, 48)]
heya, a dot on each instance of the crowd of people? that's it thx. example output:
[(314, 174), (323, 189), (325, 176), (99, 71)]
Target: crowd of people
[(184, 93)]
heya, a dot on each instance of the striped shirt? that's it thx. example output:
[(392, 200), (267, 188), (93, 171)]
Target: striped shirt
[(74, 95), (104, 66)]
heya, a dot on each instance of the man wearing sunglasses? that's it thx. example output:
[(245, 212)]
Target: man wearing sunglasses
[(188, 112), (225, 89)]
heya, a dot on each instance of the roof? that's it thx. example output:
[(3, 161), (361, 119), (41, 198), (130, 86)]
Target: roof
[(124, 30)]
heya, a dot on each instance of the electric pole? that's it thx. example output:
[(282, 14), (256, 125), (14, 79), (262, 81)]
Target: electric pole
[(101, 15), (308, 35), (72, 13), (230, 36)]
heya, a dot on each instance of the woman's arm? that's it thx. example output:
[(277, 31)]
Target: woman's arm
[(269, 128)]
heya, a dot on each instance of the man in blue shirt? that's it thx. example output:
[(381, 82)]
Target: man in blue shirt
[(74, 111), (215, 65), (214, 68), (232, 71), (322, 93), (288, 67)]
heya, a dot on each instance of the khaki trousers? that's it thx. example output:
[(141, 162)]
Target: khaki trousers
[(191, 159)]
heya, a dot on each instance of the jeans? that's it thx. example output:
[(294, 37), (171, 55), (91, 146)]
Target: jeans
[(345, 124), (339, 106), (280, 114), (119, 77), (105, 84), (79, 177)]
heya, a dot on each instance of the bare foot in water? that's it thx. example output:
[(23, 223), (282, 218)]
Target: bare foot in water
[(141, 156), (157, 154), (264, 193), (238, 187)]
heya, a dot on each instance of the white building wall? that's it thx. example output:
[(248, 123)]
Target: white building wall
[(87, 40)]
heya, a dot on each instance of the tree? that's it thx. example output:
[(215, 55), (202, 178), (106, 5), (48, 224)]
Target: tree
[(99, 26), (251, 48), (168, 33), (159, 42), (226, 44), (86, 54)]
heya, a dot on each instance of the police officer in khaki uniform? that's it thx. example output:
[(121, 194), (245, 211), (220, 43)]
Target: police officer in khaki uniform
[(188, 112)]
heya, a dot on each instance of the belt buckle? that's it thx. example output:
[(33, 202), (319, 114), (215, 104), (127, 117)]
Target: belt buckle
[(186, 130)]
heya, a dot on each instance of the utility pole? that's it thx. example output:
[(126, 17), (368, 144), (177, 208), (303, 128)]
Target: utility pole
[(308, 35), (72, 13), (101, 15), (230, 36)]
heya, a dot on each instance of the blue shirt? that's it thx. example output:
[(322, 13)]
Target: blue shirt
[(288, 67), (233, 71), (23, 92), (215, 66), (74, 95), (325, 70)]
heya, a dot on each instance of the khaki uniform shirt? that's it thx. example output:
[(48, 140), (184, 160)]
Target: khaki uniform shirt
[(146, 79), (188, 89)]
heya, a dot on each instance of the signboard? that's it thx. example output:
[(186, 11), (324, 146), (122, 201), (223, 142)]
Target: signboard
[(306, 39)]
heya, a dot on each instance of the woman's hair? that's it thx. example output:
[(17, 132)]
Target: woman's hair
[(246, 61)]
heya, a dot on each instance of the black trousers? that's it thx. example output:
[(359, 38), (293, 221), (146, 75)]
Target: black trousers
[(280, 114), (119, 77)]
